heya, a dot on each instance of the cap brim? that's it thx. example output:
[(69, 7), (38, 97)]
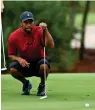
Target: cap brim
[(28, 19)]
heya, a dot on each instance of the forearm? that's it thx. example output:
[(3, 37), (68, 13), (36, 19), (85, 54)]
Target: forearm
[(48, 39), (21, 61), (14, 57)]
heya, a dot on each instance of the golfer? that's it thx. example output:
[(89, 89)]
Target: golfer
[(26, 50)]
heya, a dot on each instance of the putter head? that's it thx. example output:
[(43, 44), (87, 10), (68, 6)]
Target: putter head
[(3, 70), (43, 97)]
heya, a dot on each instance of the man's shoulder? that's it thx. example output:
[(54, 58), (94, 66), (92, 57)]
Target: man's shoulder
[(37, 29), (16, 32)]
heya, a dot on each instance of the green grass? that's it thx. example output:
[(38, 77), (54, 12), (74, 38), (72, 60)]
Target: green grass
[(79, 18), (65, 92)]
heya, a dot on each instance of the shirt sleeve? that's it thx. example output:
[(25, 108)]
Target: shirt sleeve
[(12, 45)]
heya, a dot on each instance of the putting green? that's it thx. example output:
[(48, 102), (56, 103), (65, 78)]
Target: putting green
[(65, 92)]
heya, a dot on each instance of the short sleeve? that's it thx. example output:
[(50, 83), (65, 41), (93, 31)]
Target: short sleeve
[(12, 45)]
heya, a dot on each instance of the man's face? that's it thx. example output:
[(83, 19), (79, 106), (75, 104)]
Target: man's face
[(27, 26)]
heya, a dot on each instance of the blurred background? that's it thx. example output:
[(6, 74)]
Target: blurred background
[(71, 24)]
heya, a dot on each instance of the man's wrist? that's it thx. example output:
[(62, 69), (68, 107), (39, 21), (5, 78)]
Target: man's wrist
[(46, 29), (18, 58)]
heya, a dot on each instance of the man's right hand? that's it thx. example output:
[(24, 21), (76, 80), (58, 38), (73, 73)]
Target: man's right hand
[(23, 62)]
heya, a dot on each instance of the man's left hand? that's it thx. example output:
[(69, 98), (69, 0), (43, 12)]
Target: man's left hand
[(43, 25)]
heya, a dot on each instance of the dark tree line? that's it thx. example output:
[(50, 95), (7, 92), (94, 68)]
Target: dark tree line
[(58, 16)]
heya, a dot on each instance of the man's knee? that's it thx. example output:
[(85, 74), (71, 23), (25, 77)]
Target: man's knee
[(13, 70), (44, 68)]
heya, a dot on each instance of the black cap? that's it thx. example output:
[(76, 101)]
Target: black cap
[(26, 15)]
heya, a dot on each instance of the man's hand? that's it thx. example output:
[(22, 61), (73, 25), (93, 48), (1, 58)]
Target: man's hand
[(43, 25), (48, 38), (23, 62)]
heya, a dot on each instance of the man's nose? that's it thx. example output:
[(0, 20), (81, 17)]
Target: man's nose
[(28, 23)]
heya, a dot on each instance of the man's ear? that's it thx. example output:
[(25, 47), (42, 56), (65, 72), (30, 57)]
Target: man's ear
[(20, 24), (33, 22)]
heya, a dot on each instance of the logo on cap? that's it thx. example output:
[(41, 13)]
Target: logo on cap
[(28, 14)]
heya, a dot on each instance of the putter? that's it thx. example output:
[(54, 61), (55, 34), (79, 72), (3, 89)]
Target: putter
[(2, 43), (45, 96)]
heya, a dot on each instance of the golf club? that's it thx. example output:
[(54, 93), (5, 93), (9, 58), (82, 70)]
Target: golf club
[(3, 49)]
